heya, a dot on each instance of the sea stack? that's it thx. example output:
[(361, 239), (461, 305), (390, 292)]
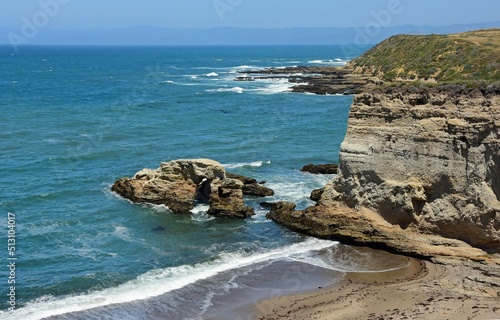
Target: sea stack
[(179, 184)]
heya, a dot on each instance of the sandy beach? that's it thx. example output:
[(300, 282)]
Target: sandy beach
[(423, 290)]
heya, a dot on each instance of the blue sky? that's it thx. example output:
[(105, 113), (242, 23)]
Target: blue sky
[(88, 14)]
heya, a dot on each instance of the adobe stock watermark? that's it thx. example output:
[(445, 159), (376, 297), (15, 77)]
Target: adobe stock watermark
[(11, 261), (31, 26), (373, 28), (224, 6)]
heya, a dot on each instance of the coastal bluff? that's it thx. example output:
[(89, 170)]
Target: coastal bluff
[(419, 165), (425, 159)]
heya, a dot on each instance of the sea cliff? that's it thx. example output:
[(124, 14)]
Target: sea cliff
[(418, 169), (425, 159)]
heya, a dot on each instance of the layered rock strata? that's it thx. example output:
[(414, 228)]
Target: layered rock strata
[(179, 184), (416, 161)]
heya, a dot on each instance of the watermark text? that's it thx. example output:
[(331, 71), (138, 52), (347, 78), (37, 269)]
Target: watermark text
[(11, 260), (31, 26), (224, 6)]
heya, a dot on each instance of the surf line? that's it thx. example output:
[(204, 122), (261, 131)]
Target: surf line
[(11, 260)]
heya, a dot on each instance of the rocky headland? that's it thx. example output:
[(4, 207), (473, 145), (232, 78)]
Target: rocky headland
[(419, 176), (419, 166)]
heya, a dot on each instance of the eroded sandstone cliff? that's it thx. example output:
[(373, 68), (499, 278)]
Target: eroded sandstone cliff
[(425, 159)]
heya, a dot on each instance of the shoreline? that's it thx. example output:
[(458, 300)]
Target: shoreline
[(422, 290)]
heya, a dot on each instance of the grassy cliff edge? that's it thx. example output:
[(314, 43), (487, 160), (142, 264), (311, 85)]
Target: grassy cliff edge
[(470, 56)]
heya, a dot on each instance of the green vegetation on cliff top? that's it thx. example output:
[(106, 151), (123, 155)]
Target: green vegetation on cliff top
[(445, 58)]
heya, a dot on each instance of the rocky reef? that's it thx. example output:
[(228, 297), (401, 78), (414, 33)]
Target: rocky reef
[(180, 184), (313, 79)]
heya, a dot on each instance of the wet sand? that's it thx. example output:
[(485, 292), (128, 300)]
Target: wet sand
[(423, 290)]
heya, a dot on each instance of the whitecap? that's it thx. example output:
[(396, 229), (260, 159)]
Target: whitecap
[(234, 89), (255, 164), (168, 82), (212, 74), (336, 62), (276, 87), (245, 67)]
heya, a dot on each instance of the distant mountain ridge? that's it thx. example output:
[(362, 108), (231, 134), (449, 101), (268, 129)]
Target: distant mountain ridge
[(146, 35)]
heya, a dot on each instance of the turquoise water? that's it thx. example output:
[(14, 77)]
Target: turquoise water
[(75, 119)]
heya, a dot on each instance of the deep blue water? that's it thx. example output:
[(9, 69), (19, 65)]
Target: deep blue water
[(75, 119)]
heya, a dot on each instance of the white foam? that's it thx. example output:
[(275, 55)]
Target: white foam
[(237, 69), (356, 261), (273, 86), (233, 89), (297, 187), (255, 164), (168, 82), (158, 207), (199, 213), (336, 62), (157, 282), (245, 67), (212, 74)]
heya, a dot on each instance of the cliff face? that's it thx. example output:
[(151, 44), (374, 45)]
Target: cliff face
[(425, 159)]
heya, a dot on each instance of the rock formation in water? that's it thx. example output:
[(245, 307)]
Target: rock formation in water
[(321, 168), (251, 187), (179, 184)]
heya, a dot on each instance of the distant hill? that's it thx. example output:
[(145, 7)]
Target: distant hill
[(146, 35), (465, 56)]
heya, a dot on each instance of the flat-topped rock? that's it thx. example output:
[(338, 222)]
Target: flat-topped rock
[(321, 168)]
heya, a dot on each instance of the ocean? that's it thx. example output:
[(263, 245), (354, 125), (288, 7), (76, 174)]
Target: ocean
[(75, 119)]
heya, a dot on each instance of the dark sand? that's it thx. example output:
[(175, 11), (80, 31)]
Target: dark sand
[(423, 290)]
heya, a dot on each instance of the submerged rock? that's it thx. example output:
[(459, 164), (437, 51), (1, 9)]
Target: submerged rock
[(321, 168), (179, 184)]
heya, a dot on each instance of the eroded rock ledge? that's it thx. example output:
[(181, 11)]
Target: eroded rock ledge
[(314, 79), (179, 184), (418, 174)]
